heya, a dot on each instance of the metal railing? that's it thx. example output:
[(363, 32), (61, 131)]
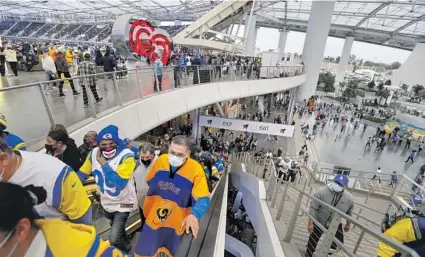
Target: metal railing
[(292, 209), (40, 105)]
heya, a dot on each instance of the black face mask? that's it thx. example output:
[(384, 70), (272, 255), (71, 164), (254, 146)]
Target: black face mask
[(146, 162), (49, 148)]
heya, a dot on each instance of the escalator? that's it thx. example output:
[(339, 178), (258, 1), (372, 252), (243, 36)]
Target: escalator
[(203, 246)]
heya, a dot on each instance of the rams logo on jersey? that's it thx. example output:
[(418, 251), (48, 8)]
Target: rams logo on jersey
[(163, 213)]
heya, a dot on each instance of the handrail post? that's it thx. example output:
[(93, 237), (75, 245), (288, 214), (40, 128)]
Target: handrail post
[(86, 86), (356, 247), (46, 104), (329, 236), (116, 87), (274, 196), (293, 219), (282, 202), (138, 85), (199, 76)]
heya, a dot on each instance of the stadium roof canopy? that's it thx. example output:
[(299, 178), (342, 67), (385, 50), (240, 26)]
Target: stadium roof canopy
[(397, 23)]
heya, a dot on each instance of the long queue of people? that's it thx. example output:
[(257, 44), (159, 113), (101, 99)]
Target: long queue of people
[(46, 208)]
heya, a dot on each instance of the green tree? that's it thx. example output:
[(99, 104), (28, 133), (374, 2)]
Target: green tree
[(371, 84), (348, 93), (417, 89), (383, 94), (341, 85), (405, 87), (388, 82)]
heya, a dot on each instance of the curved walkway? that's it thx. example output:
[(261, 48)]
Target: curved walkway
[(130, 101)]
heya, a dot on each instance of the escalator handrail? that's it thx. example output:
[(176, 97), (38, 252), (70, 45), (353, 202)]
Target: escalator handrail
[(190, 247)]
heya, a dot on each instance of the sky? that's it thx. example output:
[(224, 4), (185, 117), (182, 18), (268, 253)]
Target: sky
[(268, 38)]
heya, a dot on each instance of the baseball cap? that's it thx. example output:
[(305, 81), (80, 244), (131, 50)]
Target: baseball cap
[(342, 180), (126, 140)]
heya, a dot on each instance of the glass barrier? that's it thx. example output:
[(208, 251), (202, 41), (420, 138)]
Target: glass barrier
[(37, 105), (289, 204)]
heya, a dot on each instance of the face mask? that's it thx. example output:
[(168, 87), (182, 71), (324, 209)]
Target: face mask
[(4, 242), (335, 187), (1, 176), (175, 161), (49, 148), (146, 162), (108, 152)]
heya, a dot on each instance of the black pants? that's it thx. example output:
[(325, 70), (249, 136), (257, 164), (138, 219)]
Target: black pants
[(2, 69), (14, 67), (315, 237), (93, 90), (159, 78), (68, 76), (409, 158)]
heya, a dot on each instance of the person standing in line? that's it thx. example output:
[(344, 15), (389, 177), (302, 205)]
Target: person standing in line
[(86, 68), (333, 194), (63, 68), (147, 159), (378, 175), (411, 156), (112, 164), (176, 200), (11, 58), (157, 72)]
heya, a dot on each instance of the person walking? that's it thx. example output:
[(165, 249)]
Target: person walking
[(86, 68), (333, 194), (157, 73), (11, 59), (50, 72), (420, 146), (411, 156), (63, 68), (378, 175)]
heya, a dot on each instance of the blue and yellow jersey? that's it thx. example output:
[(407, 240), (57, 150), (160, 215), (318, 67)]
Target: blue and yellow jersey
[(114, 180), (15, 142), (66, 239), (215, 174), (219, 164), (66, 196), (408, 231), (170, 198)]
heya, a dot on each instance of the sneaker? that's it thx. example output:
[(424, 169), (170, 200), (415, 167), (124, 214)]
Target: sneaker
[(76, 93), (99, 100), (61, 95)]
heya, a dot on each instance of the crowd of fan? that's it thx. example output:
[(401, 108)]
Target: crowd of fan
[(83, 32)]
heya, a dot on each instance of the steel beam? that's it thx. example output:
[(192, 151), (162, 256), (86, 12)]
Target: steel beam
[(372, 13)]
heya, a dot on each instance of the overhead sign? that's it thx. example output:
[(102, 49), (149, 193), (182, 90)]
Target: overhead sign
[(247, 125)]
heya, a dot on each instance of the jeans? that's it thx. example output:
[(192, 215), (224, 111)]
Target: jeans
[(315, 237), (117, 236), (159, 78)]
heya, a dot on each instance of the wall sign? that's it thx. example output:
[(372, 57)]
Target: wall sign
[(247, 125)]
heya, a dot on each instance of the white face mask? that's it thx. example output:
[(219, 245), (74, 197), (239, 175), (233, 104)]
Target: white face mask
[(1, 176), (335, 187), (175, 161), (4, 242)]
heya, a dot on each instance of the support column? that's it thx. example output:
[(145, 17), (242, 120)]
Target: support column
[(314, 45), (283, 35), (219, 109), (196, 129), (343, 61), (251, 36), (261, 103)]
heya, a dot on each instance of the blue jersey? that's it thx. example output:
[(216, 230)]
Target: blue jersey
[(219, 164)]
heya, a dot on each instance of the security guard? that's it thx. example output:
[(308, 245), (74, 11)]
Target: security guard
[(13, 141), (406, 227)]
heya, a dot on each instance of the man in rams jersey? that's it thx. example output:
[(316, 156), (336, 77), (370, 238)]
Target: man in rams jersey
[(15, 142), (112, 165), (66, 196), (176, 200), (406, 227)]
